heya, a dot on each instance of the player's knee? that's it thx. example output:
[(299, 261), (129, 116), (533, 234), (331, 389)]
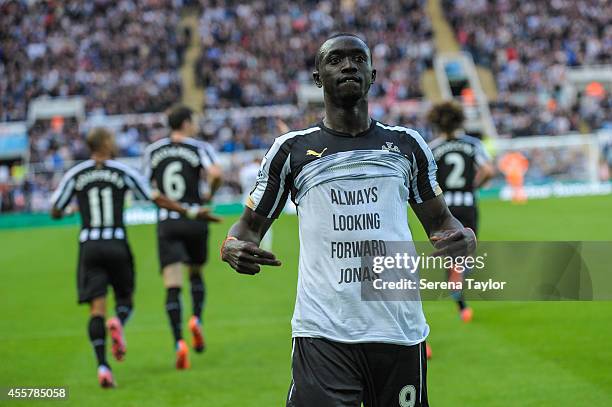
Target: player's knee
[(173, 275), (196, 281), (195, 271), (195, 275), (98, 307)]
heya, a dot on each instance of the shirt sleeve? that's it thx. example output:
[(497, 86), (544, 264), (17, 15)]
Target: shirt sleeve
[(147, 171), (138, 185), (423, 183), (208, 155), (64, 192), (481, 157), (272, 187)]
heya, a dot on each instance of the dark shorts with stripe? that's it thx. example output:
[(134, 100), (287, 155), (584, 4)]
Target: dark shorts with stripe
[(467, 215), (332, 374), (182, 241), (103, 263)]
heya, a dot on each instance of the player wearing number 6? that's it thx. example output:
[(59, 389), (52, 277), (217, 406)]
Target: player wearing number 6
[(463, 167), (175, 165), (100, 185)]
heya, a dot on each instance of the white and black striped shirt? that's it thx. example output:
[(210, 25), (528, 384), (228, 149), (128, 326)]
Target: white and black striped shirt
[(175, 168), (100, 191), (348, 190)]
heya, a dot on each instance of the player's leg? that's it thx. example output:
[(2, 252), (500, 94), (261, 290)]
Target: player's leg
[(115, 327), (97, 336), (97, 329), (196, 247), (395, 375), (92, 282), (123, 309), (323, 374), (198, 289), (173, 281), (122, 280), (171, 257), (198, 298)]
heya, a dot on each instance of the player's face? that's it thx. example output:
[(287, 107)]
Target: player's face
[(345, 70)]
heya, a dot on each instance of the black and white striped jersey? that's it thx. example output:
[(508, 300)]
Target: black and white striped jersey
[(458, 159), (100, 192), (351, 193), (175, 168)]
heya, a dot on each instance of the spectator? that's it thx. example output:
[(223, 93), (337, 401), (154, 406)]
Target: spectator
[(258, 53), (123, 56), (528, 45)]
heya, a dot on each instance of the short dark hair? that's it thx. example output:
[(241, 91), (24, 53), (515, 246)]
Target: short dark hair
[(97, 137), (331, 37), (178, 116), (446, 116)]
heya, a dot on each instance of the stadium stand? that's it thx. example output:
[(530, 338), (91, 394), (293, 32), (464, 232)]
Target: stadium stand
[(239, 67), (122, 55), (124, 58), (530, 46)]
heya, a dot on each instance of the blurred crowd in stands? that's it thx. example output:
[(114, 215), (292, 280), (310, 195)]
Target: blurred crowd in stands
[(123, 56), (258, 53), (529, 45)]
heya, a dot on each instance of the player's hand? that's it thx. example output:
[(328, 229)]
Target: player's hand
[(206, 198), (205, 214), (245, 257), (71, 210), (454, 243)]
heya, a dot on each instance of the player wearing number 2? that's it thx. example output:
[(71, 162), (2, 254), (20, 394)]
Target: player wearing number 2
[(175, 165), (463, 167), (100, 185)]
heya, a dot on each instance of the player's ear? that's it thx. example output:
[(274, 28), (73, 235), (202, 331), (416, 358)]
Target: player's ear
[(317, 79), (373, 76)]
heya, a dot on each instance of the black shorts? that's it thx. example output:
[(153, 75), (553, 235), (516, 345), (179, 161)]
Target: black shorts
[(182, 241), (467, 215), (103, 263), (333, 374)]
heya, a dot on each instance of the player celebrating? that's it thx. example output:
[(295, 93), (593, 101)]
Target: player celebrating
[(347, 351), (100, 185), (175, 166), (463, 167)]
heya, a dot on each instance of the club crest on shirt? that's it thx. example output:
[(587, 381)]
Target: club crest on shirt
[(389, 146)]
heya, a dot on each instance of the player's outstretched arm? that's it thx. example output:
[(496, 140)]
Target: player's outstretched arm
[(163, 201), (58, 214), (214, 177), (484, 173), (241, 247), (485, 170), (446, 233)]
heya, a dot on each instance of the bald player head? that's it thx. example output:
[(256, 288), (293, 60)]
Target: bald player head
[(343, 68)]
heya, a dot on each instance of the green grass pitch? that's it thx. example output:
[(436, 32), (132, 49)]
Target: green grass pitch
[(513, 354)]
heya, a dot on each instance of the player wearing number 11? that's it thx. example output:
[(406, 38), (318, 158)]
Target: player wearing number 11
[(100, 185), (175, 165)]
